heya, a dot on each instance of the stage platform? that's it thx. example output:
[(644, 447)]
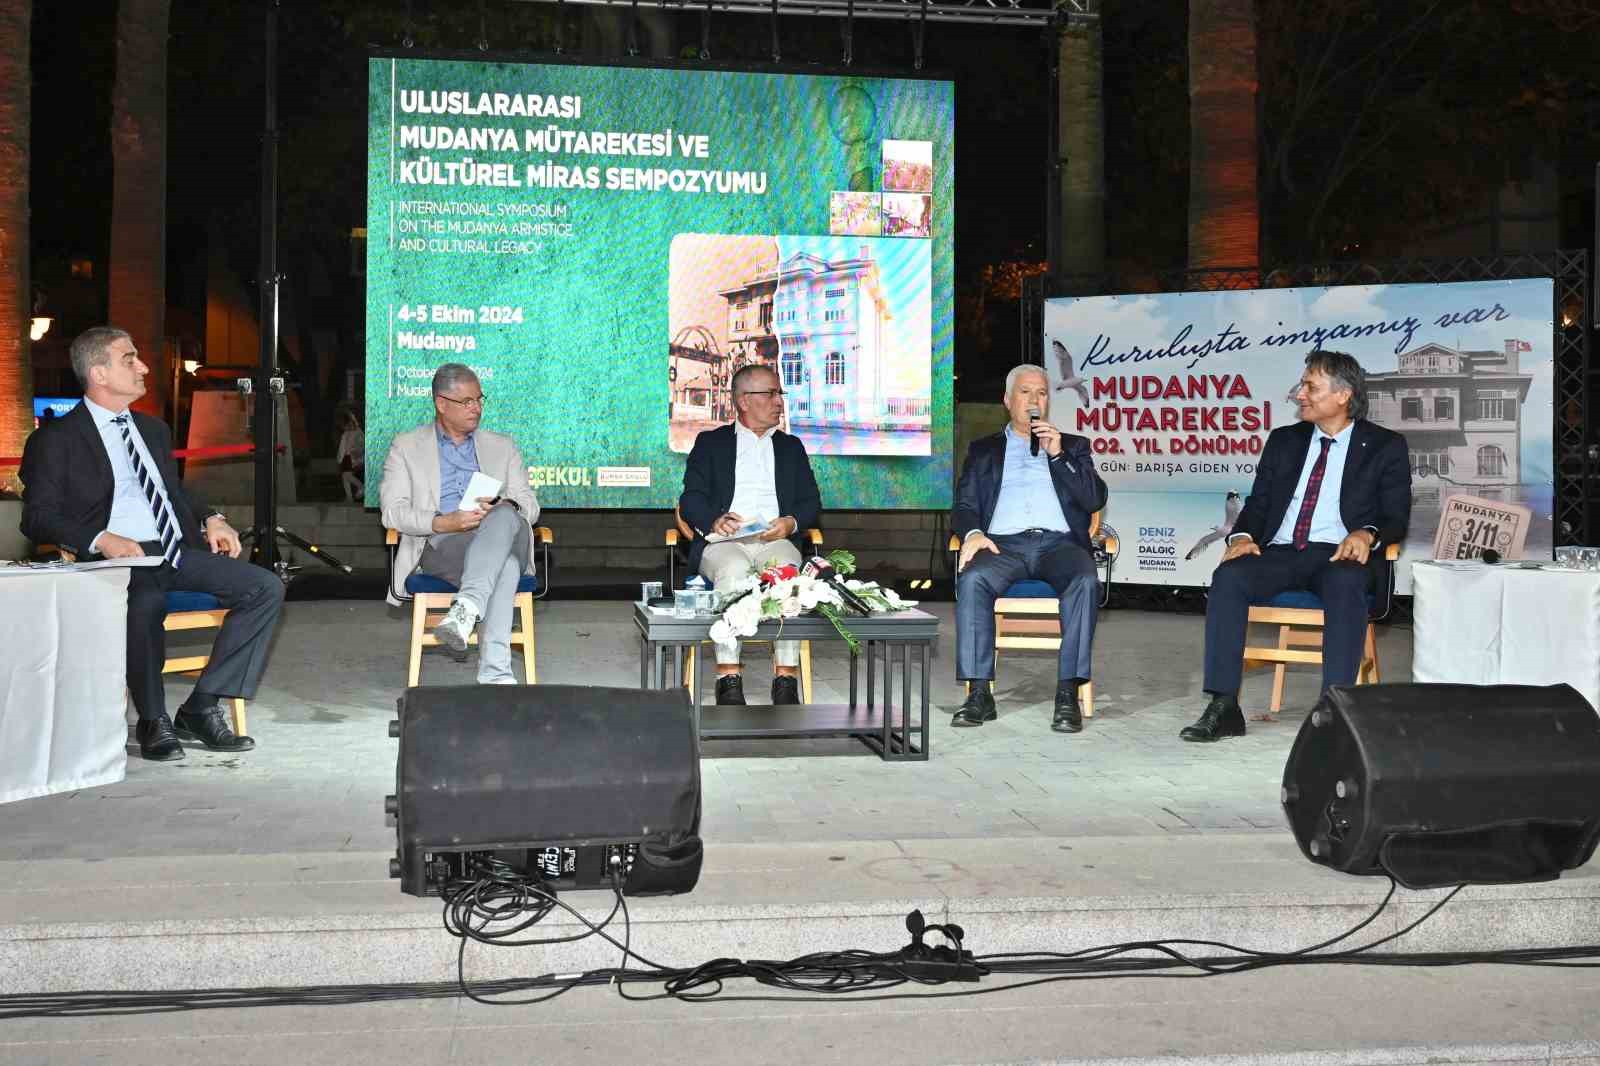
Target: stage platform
[(270, 868)]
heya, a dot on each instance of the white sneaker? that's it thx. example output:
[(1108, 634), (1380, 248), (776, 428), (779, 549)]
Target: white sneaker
[(455, 628)]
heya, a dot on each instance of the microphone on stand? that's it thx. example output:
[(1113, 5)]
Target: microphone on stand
[(1033, 442), (824, 572)]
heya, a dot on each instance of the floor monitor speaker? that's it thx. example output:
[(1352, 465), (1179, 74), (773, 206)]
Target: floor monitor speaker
[(580, 786), (1447, 784)]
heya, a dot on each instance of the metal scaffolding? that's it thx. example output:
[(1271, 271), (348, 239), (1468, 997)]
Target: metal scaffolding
[(1038, 13)]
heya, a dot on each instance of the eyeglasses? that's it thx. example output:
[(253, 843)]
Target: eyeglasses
[(768, 393), (471, 401)]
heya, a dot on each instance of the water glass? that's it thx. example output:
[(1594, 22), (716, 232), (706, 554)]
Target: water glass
[(1589, 559), (649, 590), (1568, 558), (684, 602)]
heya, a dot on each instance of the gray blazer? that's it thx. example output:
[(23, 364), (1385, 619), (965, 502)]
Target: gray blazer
[(409, 495)]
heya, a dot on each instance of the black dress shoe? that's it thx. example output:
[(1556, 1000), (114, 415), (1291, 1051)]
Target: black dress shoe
[(979, 707), (206, 723), (730, 690), (785, 691), (1069, 716), (158, 741), (1221, 718)]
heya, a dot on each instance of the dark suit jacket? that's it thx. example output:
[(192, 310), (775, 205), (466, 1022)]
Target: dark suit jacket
[(708, 484), (1078, 485), (67, 481), (1375, 490)]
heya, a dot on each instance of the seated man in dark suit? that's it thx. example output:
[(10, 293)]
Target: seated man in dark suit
[(748, 471), (101, 482), (1329, 491), (1022, 511)]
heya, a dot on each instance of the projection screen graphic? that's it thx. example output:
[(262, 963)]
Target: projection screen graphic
[(607, 246)]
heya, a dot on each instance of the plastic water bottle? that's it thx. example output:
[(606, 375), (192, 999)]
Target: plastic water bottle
[(702, 594)]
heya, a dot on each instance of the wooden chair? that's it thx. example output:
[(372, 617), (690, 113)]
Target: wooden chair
[(197, 610), (679, 538), (1298, 616), (1028, 616), (431, 596), (185, 610)]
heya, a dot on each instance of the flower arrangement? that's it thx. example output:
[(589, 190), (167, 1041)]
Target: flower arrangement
[(783, 590)]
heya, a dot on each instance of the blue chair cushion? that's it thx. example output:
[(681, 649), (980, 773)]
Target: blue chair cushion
[(428, 583), (1300, 599), (191, 601), (1297, 599), (1032, 590)]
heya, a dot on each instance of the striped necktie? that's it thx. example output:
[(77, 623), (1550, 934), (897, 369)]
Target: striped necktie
[(166, 521)]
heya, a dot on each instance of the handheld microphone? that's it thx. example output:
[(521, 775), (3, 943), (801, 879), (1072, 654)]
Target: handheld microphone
[(1490, 556), (1033, 442), (824, 572)]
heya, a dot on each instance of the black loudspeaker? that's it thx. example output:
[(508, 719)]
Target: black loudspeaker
[(1447, 784), (582, 787)]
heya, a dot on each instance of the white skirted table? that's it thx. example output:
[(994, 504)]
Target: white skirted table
[(63, 680), (1506, 625)]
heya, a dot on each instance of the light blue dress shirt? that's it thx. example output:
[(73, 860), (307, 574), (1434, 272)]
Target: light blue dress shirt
[(457, 464), (131, 515), (1327, 527), (1027, 497)]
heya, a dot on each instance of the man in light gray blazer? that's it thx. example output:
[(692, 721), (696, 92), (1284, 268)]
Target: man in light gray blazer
[(482, 546)]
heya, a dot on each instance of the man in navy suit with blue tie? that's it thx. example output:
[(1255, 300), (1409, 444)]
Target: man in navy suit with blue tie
[(1329, 492), (1022, 512)]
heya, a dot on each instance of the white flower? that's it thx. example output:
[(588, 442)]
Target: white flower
[(743, 614)]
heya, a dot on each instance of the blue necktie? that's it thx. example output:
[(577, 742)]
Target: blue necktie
[(166, 521)]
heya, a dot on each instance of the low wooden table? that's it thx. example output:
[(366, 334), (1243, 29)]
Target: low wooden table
[(903, 635)]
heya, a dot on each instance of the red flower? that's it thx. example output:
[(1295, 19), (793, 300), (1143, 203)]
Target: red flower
[(774, 574)]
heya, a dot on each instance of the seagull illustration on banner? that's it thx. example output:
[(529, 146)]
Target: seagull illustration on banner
[(1231, 508), (1069, 375)]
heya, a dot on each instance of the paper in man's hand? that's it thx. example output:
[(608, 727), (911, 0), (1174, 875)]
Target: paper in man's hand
[(481, 485)]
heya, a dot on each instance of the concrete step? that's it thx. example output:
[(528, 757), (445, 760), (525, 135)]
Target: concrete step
[(1313, 1016), (219, 921)]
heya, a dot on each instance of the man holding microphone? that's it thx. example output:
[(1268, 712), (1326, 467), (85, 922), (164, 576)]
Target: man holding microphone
[(1022, 510)]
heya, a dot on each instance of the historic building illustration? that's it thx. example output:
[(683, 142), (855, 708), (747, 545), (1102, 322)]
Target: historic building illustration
[(1461, 413), (823, 325)]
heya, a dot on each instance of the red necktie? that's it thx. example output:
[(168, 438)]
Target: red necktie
[(1302, 524)]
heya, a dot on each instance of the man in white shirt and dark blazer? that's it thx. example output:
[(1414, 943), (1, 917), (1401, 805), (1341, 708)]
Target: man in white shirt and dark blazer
[(749, 471)]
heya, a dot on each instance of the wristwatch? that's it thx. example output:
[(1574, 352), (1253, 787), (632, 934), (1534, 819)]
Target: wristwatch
[(214, 514)]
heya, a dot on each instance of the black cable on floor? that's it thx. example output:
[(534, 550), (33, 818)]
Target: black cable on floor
[(496, 904)]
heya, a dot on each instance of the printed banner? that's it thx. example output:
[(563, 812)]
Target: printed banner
[(1178, 392)]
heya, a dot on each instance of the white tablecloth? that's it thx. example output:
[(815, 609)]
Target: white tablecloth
[(63, 681), (1493, 625)]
